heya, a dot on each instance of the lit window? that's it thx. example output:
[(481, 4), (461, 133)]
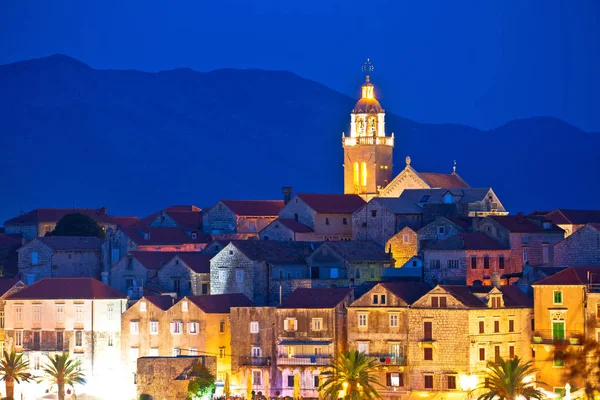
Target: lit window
[(363, 173), (290, 324), (362, 320), (393, 320), (395, 379), (363, 348), (254, 327), (142, 306), (184, 305), (154, 327), (317, 324), (134, 327)]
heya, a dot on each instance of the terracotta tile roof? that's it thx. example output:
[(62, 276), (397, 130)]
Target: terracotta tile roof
[(254, 208), (448, 181), (514, 297), (163, 236), (55, 214), (164, 302), (220, 303), (355, 251), (196, 261), (276, 252), (464, 294), (190, 219), (7, 284), (332, 203), (153, 259), (183, 208), (65, 243), (573, 276), (293, 225), (67, 288), (520, 224), (468, 241), (407, 291), (316, 298), (575, 217), (464, 223)]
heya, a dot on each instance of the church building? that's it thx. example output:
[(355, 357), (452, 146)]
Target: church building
[(368, 161)]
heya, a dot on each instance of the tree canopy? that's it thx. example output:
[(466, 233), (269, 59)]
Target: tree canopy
[(202, 382), (78, 224)]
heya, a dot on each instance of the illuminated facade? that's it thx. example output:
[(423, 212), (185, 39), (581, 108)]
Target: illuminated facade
[(367, 151)]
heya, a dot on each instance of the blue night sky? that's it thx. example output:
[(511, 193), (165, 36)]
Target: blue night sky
[(479, 63)]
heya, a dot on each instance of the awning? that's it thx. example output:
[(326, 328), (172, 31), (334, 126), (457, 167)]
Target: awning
[(306, 343)]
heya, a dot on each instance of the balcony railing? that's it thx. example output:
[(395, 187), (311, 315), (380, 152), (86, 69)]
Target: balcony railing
[(255, 361), (549, 337), (388, 359), (368, 140), (304, 360)]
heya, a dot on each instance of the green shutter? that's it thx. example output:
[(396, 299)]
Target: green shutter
[(558, 330), (558, 297)]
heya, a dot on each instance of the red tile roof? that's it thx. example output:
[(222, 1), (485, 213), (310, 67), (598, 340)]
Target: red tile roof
[(55, 214), (293, 225), (164, 302), (67, 288), (468, 241), (7, 284), (66, 243), (316, 298), (464, 294), (575, 217), (332, 203), (183, 208), (153, 259), (407, 291), (520, 224), (446, 181), (220, 303), (196, 261), (464, 223), (573, 276), (275, 252), (162, 236), (514, 297), (191, 219), (254, 208)]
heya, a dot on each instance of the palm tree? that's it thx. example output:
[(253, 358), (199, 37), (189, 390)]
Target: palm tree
[(509, 379), (13, 369), (352, 377), (63, 371)]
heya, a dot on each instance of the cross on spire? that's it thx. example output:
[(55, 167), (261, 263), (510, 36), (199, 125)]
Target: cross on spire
[(368, 68)]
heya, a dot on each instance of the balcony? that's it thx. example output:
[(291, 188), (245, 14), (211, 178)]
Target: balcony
[(572, 337), (304, 360), (368, 140), (255, 361), (388, 359)]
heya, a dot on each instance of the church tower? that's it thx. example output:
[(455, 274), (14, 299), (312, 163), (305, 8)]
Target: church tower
[(367, 151)]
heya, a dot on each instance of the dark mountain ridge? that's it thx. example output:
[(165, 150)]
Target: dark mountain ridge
[(137, 141)]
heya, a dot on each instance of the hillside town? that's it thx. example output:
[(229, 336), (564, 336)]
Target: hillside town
[(431, 279)]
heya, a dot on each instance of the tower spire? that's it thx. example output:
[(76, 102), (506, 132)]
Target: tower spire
[(368, 68)]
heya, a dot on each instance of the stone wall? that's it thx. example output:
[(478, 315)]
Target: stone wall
[(129, 268), (253, 274), (403, 245), (430, 233), (438, 270), (373, 222), (190, 281), (219, 219), (29, 231), (482, 274), (581, 248), (299, 210)]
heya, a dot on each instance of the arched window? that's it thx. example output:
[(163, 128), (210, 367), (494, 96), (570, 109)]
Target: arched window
[(356, 174), (363, 177)]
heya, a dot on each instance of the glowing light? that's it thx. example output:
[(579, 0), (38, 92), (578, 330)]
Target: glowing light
[(468, 382), (364, 173), (356, 174)]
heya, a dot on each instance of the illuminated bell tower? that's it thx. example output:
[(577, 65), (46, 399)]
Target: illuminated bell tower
[(367, 151)]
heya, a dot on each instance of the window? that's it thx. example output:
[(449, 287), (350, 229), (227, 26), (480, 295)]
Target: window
[(448, 198), (19, 313), (59, 340), (396, 350), (481, 327), (362, 320), (184, 305), (438, 302), (501, 261), (452, 264), (496, 302), (317, 324), (558, 330), (176, 352), (153, 352), (290, 381), (435, 264), (290, 324), (428, 381), (363, 348), (257, 378), (345, 221), (134, 327), (37, 314), (473, 262), (326, 221), (452, 382), (375, 299), (334, 273), (383, 299), (193, 328), (256, 352), (204, 288), (115, 256), (193, 351), (35, 362), (254, 327), (110, 339), (511, 325), (222, 326), (558, 359), (78, 338), (486, 262), (496, 326), (110, 312), (525, 254), (222, 275), (177, 285), (441, 230), (511, 351), (405, 238), (428, 353), (36, 340), (395, 379), (19, 338), (221, 352), (78, 314), (34, 258), (318, 351), (2, 320), (393, 320), (558, 297), (154, 327), (482, 354), (497, 354), (60, 314), (316, 381), (176, 327), (428, 330)]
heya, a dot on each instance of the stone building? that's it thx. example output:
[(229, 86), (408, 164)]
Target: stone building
[(187, 217), (138, 270), (253, 350), (81, 316), (7, 287), (531, 241), (440, 229), (467, 257), (566, 310), (403, 246), (310, 331), (571, 221), (328, 215), (240, 219), (581, 248), (251, 267), (378, 326), (289, 229), (167, 378), (60, 256), (455, 329), (186, 274), (38, 222)]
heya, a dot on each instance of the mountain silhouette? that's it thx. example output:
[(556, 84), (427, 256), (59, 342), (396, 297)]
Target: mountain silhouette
[(137, 141)]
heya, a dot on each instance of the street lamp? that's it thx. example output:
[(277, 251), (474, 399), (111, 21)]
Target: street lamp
[(468, 384)]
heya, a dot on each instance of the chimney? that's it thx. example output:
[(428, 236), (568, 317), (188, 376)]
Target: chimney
[(520, 217), (496, 280), (287, 194), (103, 210)]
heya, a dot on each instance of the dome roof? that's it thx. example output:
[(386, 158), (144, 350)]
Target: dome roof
[(366, 105)]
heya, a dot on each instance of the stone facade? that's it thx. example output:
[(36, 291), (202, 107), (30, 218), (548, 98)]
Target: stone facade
[(178, 277), (440, 229), (403, 246), (465, 266), (130, 272), (167, 378), (221, 219), (581, 248)]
